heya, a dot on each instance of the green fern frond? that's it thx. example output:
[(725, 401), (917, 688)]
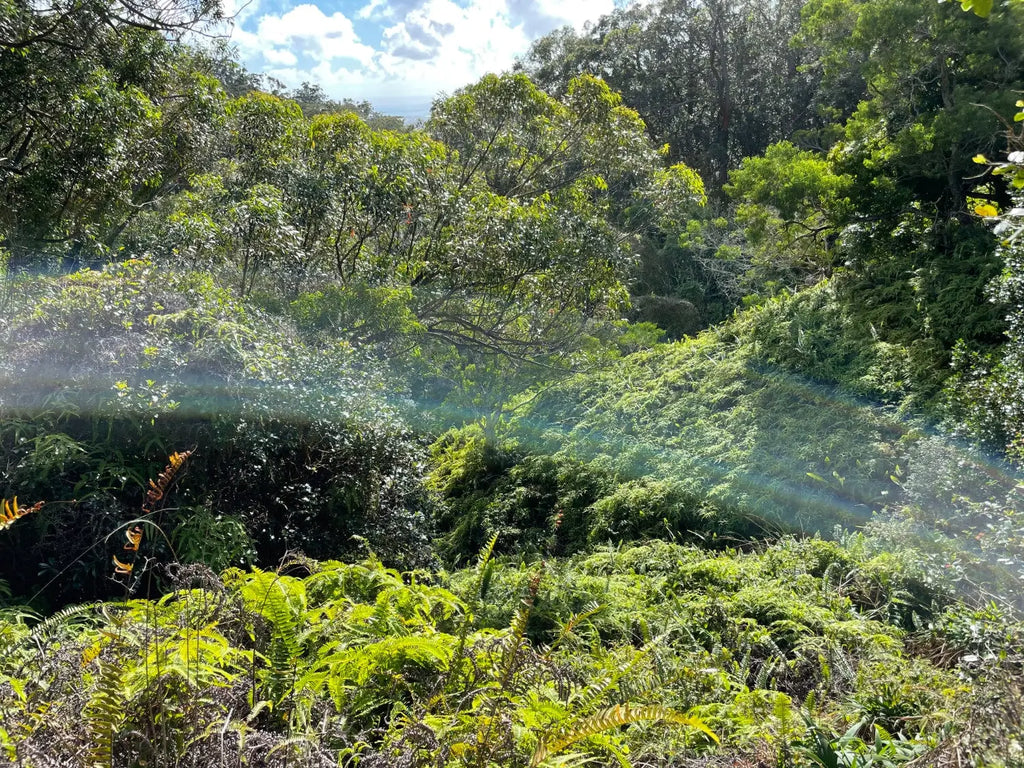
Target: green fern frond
[(487, 552), (590, 697), (104, 714), (281, 600), (485, 569), (575, 620), (388, 656), (621, 714), (60, 620)]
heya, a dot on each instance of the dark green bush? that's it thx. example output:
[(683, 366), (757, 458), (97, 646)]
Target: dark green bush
[(109, 372)]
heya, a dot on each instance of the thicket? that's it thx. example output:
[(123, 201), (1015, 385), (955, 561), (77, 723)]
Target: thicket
[(799, 654), (769, 422), (108, 372)]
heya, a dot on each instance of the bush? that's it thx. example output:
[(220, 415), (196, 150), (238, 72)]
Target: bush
[(109, 372)]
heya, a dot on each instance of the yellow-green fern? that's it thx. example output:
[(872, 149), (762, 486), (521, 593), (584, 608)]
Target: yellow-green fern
[(613, 717)]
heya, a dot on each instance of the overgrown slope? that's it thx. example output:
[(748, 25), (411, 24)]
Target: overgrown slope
[(641, 652), (790, 416)]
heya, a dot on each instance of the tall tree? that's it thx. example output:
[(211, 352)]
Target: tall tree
[(891, 203), (99, 115), (718, 80)]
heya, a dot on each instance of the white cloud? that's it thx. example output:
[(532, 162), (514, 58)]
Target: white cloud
[(540, 16), (442, 46), (372, 9), (425, 46), (280, 56), (306, 30)]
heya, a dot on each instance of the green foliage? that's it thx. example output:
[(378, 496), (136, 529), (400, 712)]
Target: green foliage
[(751, 418), (110, 371), (787, 200), (794, 182), (102, 116), (470, 236), (364, 314), (647, 508), (484, 262), (217, 541), (822, 748), (359, 656), (264, 658), (983, 397), (730, 64), (768, 422)]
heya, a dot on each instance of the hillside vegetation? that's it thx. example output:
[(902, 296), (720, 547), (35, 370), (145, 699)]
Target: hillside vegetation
[(658, 403)]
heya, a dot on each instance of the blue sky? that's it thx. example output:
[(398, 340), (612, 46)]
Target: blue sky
[(398, 54)]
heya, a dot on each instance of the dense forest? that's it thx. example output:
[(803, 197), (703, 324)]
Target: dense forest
[(657, 403)]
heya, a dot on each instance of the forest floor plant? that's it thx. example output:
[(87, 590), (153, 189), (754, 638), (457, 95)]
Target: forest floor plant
[(594, 659)]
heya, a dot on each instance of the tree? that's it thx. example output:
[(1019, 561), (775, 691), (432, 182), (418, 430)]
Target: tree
[(503, 230), (790, 203), (564, 184), (99, 116), (716, 79), (891, 200), (313, 100), (934, 103)]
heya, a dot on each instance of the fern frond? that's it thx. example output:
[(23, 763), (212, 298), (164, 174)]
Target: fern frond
[(60, 619), (485, 569), (10, 512), (590, 697), (592, 609), (90, 654), (621, 714), (284, 607), (517, 630), (134, 536), (487, 552), (104, 714), (158, 489), (767, 668)]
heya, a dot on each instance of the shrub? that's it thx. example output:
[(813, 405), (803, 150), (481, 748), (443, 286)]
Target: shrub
[(110, 371)]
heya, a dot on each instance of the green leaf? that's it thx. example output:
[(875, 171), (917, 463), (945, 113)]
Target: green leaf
[(981, 8)]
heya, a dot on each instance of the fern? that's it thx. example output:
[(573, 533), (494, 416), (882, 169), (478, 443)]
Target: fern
[(10, 512), (569, 627), (484, 573), (154, 493), (157, 489), (605, 680), (104, 714), (385, 659), (281, 601), (621, 714), (485, 569), (60, 620), (519, 624)]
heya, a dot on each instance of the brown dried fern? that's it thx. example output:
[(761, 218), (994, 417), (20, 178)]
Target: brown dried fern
[(157, 489), (154, 493), (11, 512)]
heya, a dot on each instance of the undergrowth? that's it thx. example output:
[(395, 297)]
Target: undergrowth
[(796, 654)]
